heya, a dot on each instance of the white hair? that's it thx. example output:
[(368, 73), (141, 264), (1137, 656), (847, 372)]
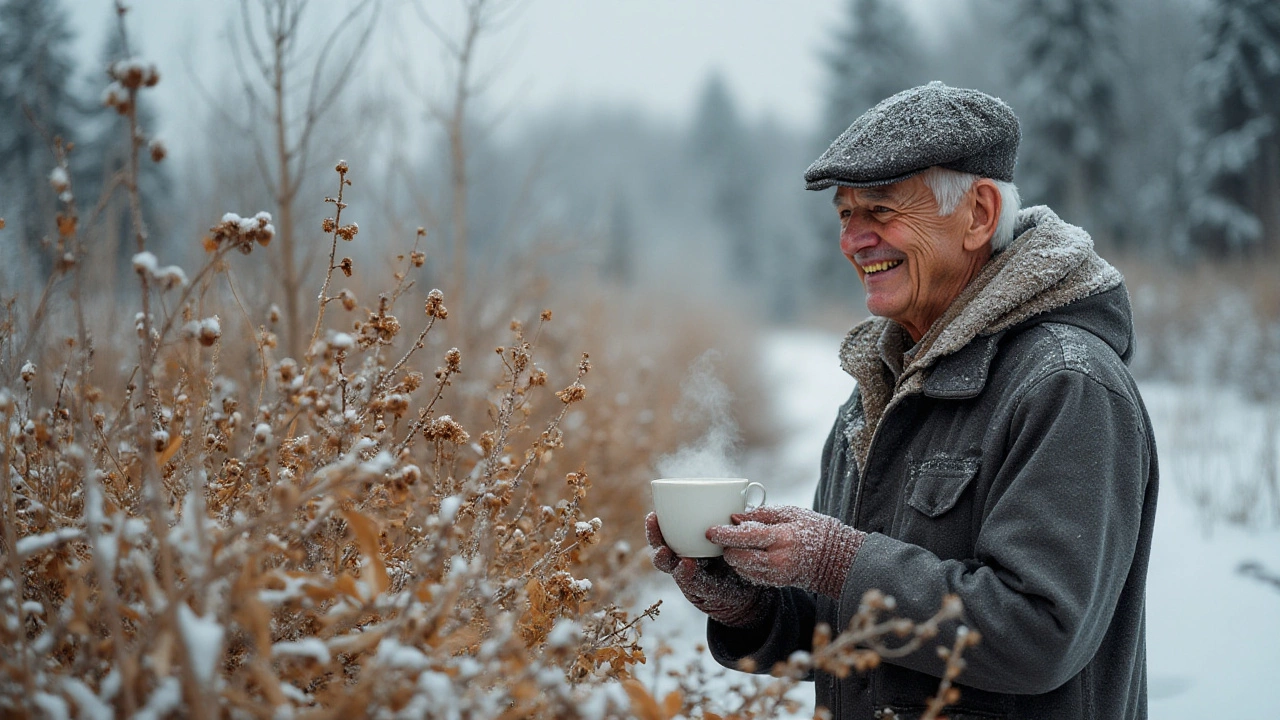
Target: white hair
[(949, 187)]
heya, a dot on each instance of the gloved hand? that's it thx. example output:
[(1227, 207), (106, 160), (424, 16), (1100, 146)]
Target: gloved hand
[(711, 585), (788, 546)]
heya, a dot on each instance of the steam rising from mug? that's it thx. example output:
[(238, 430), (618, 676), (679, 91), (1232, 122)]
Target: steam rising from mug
[(704, 399)]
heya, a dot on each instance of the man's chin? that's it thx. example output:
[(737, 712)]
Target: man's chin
[(879, 307)]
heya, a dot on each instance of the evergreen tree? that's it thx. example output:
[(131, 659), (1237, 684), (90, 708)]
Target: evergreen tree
[(1067, 60), (35, 106), (1157, 120), (105, 153), (874, 53), (1237, 205), (720, 142)]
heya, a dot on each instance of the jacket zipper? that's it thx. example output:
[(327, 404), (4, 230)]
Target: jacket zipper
[(862, 472)]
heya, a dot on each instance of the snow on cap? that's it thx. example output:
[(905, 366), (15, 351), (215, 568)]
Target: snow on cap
[(926, 126)]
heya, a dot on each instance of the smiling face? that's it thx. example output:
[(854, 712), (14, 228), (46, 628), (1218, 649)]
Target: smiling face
[(912, 261)]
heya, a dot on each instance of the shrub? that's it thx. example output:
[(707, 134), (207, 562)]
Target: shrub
[(202, 527)]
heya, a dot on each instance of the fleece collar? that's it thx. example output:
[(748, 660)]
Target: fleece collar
[(1049, 265)]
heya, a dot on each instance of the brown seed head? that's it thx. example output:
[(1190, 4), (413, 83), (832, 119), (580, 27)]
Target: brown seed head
[(348, 300), (397, 404), (288, 369), (328, 225), (573, 393), (209, 334), (435, 304), (445, 428)]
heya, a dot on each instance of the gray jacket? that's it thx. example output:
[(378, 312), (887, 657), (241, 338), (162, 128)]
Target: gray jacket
[(1009, 460)]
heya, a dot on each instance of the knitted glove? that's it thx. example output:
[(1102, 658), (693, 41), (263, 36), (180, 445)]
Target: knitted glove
[(711, 585), (783, 546)]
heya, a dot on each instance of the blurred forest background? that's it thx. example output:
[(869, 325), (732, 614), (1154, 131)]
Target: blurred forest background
[(1154, 124), (146, 371)]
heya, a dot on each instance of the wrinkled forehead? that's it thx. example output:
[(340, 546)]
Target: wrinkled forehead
[(878, 193)]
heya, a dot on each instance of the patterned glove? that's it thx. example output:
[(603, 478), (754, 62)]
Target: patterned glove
[(711, 585), (790, 546)]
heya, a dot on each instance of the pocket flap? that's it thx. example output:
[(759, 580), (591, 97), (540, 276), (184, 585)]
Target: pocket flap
[(938, 481)]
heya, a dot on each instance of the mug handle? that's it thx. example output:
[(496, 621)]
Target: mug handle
[(746, 492)]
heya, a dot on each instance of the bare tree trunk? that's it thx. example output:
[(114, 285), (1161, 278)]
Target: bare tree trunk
[(458, 149), (285, 192), (270, 69), (458, 157)]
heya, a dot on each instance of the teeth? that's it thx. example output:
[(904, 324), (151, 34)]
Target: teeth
[(881, 266)]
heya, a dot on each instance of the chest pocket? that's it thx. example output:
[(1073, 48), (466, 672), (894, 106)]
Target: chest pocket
[(938, 514), (937, 482)]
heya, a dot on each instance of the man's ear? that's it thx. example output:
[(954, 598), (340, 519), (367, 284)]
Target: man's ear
[(985, 214)]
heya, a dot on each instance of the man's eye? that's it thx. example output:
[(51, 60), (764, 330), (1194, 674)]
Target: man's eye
[(845, 214), (879, 209)]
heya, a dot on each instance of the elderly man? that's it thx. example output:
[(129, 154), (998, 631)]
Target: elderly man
[(995, 447)]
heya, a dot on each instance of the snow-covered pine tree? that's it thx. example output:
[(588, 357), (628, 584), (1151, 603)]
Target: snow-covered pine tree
[(1064, 72), (36, 67), (1157, 120), (1236, 207), (874, 53), (720, 142)]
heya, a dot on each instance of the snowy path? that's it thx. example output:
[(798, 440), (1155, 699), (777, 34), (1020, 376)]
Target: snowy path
[(1213, 637)]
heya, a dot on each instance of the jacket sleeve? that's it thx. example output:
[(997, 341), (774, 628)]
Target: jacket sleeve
[(788, 629), (1054, 549)]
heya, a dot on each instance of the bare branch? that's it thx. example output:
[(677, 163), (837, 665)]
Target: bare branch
[(260, 159), (209, 99), (254, 51), (436, 30), (316, 111), (315, 108), (247, 81)]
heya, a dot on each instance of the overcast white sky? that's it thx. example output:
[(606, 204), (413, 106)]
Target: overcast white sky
[(654, 54)]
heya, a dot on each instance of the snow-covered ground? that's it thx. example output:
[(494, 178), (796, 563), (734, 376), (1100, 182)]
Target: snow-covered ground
[(1213, 635)]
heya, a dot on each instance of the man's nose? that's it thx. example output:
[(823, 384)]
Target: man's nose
[(856, 237)]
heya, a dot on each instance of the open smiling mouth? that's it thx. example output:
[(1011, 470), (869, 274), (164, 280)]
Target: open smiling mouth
[(874, 268)]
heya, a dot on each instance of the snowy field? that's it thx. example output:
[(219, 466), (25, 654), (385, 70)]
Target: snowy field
[(1213, 635)]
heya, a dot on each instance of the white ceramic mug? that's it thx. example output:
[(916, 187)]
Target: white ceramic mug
[(687, 507)]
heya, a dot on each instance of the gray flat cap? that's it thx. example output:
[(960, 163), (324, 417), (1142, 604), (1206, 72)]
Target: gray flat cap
[(916, 129)]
